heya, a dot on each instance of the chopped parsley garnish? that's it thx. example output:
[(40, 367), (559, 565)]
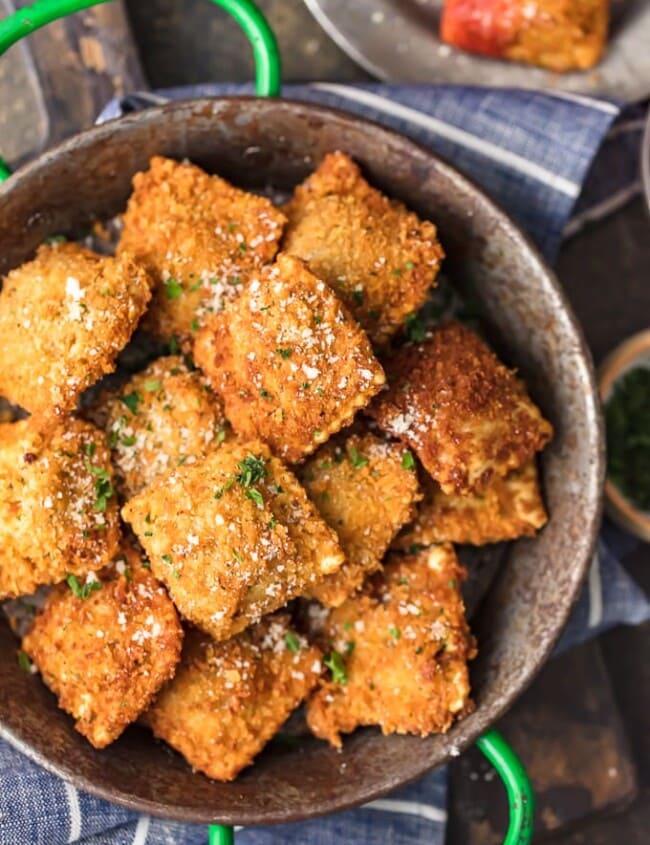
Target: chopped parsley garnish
[(89, 449), (349, 647), (283, 353), (318, 320), (373, 314), (394, 632), (242, 247), (167, 559), (415, 548), (128, 441), (403, 580), (452, 583), (221, 434), (237, 556), (397, 271), (265, 394), (305, 385), (409, 265), (195, 286), (356, 458), (319, 391), (173, 289), (414, 328), (317, 433), (271, 523), (408, 461), (347, 626), (24, 662), (232, 227), (251, 470), (194, 325), (55, 239), (173, 346), (176, 573), (335, 663), (292, 642), (358, 296), (339, 457), (132, 401), (255, 496), (152, 385), (146, 564), (219, 493), (85, 590), (236, 280), (103, 486)]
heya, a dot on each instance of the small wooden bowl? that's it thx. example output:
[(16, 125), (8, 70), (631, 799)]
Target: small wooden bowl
[(633, 352)]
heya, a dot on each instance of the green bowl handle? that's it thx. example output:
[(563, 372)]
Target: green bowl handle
[(268, 68)]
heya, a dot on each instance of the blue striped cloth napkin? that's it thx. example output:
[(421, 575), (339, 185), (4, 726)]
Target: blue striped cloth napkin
[(554, 162)]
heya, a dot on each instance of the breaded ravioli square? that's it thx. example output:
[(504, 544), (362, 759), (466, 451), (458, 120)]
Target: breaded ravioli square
[(63, 319), (58, 514), (161, 418), (378, 256), (366, 490), (466, 415), (507, 508), (105, 647), (289, 362), (233, 536), (398, 652), (228, 699), (199, 237)]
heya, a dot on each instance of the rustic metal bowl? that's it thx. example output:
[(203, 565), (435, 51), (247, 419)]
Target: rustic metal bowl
[(275, 143)]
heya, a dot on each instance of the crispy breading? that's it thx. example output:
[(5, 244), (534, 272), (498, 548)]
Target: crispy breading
[(365, 490), (233, 536), (507, 508), (228, 699), (58, 514), (162, 417), (63, 319), (398, 652), (290, 363), (466, 415), (199, 237), (378, 256), (106, 652)]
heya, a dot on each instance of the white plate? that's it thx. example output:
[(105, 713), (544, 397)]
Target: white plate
[(398, 40)]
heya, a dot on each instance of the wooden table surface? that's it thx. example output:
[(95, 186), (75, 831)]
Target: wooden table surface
[(583, 728)]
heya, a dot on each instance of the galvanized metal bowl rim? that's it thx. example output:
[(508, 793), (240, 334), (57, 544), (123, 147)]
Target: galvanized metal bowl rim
[(470, 729)]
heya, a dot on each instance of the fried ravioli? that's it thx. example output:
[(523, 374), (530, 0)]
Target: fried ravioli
[(290, 364), (64, 316), (228, 699), (162, 417), (399, 652), (199, 237), (58, 514), (365, 489), (506, 509), (233, 536), (380, 258), (466, 415), (106, 648)]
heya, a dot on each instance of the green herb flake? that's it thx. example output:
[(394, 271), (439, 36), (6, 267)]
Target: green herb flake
[(349, 647), (82, 591), (251, 470), (173, 346), (221, 434), (292, 642), (397, 271), (358, 296), (265, 394), (173, 290), (219, 493), (152, 385), (317, 319), (89, 449), (271, 523), (167, 559), (283, 353), (357, 459), (129, 441), (335, 663), (408, 461), (242, 246), (409, 265), (176, 574), (24, 662), (194, 325), (132, 401), (414, 328), (146, 564), (234, 281), (255, 496), (394, 632), (403, 581), (55, 239), (452, 583)]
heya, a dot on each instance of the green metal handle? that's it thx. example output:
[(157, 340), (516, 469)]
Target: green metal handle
[(521, 798), (268, 68)]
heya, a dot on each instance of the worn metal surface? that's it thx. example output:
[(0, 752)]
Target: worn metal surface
[(398, 40), (275, 143)]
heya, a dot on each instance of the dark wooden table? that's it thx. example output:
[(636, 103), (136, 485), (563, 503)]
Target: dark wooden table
[(583, 728)]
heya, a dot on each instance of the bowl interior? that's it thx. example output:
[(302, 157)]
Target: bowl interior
[(273, 145)]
